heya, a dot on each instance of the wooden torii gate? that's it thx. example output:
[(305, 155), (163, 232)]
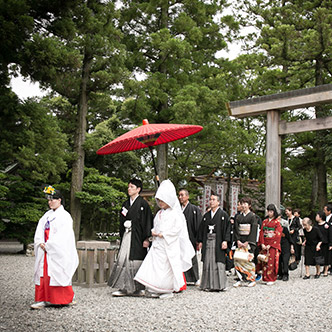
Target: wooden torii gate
[(273, 105)]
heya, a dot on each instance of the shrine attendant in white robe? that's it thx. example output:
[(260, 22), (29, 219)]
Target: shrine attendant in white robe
[(56, 255), (171, 252)]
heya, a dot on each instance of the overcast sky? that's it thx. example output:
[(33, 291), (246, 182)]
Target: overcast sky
[(26, 89)]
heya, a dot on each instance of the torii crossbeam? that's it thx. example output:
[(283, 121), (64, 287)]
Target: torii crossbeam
[(272, 105)]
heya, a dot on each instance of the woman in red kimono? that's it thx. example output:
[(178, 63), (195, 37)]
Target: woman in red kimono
[(269, 244)]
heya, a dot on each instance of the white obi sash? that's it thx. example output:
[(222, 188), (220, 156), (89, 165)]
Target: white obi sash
[(244, 229)]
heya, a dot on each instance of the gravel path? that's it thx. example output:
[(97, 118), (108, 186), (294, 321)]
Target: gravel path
[(296, 305)]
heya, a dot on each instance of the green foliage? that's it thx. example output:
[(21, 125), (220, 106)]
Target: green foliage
[(164, 54), (18, 20), (65, 114), (32, 137), (101, 199), (173, 48), (297, 188), (329, 188), (15, 27), (21, 206), (33, 152), (121, 165), (171, 45), (291, 49), (84, 35), (78, 54)]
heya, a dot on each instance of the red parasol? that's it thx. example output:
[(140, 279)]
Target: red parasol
[(149, 135)]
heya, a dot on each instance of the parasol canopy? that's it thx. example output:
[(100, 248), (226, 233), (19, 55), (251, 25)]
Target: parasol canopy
[(149, 135)]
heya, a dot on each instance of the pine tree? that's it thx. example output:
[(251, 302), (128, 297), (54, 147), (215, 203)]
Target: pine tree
[(33, 153), (293, 49), (172, 49), (77, 54)]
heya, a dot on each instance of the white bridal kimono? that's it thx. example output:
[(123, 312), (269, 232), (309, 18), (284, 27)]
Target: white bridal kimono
[(62, 258), (169, 256)]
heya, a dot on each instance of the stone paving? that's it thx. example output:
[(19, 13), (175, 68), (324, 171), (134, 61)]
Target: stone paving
[(296, 305)]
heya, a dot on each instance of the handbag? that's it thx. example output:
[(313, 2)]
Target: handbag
[(299, 240), (292, 263), (263, 258), (229, 260), (319, 260), (240, 255)]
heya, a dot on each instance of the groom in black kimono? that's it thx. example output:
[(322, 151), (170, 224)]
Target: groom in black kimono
[(135, 229), (193, 217), (213, 236)]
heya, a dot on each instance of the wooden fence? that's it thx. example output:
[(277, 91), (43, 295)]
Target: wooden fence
[(95, 266)]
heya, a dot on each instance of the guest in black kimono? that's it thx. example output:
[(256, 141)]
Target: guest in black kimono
[(135, 230), (193, 217), (231, 244), (328, 213), (294, 228), (213, 235), (312, 246), (259, 226), (287, 247), (245, 237), (326, 231)]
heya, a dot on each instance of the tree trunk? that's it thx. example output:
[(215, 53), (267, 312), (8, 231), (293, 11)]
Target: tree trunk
[(319, 197), (319, 189), (314, 190), (228, 194), (282, 166), (78, 165), (162, 161), (162, 150)]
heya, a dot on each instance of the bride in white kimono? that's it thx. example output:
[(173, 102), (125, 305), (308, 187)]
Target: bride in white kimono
[(171, 252)]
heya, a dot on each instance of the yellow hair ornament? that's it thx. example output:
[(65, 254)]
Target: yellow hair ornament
[(49, 190)]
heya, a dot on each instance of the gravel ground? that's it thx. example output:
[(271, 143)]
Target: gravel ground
[(296, 305)]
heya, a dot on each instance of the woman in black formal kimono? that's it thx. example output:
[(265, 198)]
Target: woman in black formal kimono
[(245, 237), (326, 231), (312, 246), (287, 247)]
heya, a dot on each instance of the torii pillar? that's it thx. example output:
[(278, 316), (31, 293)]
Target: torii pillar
[(273, 105), (273, 159)]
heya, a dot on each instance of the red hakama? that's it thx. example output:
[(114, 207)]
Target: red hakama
[(52, 294), (184, 287)]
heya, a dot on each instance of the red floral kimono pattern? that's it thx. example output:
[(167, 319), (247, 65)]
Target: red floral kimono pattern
[(270, 234), (52, 294)]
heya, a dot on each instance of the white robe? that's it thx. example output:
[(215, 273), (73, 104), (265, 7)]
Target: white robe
[(62, 258), (171, 255)]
